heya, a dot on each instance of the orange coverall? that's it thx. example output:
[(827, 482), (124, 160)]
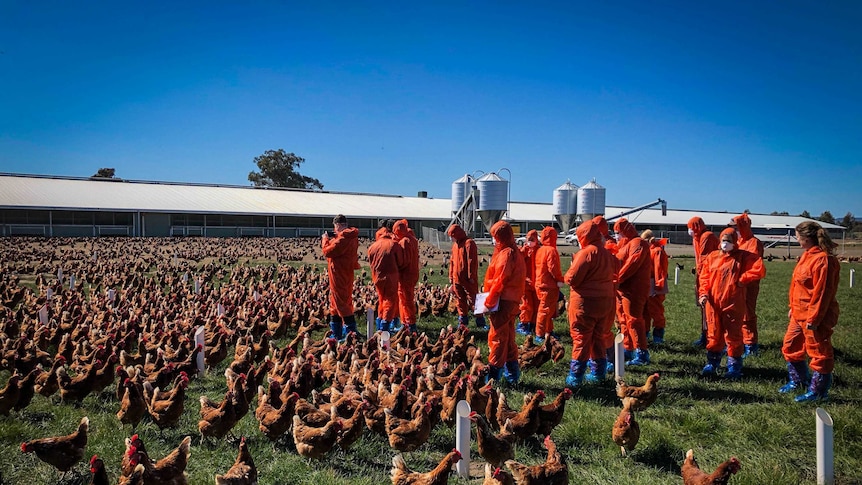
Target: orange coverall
[(633, 289), (654, 314), (749, 243), (548, 274), (609, 244), (529, 304), (723, 277), (812, 301), (463, 270), (342, 260), (504, 282), (592, 297), (409, 273), (386, 258), (704, 242)]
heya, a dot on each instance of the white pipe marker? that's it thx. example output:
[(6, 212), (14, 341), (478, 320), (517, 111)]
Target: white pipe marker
[(852, 277), (462, 439), (370, 328), (825, 456), (676, 276), (619, 356), (199, 340)]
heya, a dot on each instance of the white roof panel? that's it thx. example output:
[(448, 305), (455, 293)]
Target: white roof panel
[(43, 192)]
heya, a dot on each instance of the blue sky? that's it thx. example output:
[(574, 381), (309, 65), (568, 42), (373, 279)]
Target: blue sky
[(709, 105)]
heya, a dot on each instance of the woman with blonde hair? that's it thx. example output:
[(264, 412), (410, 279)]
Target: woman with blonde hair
[(813, 314)]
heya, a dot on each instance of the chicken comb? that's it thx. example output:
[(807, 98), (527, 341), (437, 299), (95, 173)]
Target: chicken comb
[(93, 459)]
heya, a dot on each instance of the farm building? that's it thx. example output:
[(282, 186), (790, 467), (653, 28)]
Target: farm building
[(68, 206)]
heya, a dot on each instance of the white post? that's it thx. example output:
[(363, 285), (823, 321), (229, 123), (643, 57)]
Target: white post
[(852, 277), (72, 282), (384, 341), (197, 286), (199, 340), (370, 328), (619, 356), (676, 276), (825, 457), (462, 439)]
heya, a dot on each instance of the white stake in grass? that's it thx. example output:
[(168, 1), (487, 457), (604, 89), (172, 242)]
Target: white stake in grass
[(369, 323), (462, 439), (676, 276), (199, 340), (619, 356), (852, 277), (825, 456)]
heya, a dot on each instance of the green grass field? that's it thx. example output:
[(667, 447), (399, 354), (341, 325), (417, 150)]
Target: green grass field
[(771, 435)]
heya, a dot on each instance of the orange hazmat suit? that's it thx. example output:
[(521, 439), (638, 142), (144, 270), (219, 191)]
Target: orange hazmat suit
[(813, 310), (633, 284), (386, 257), (704, 242), (654, 315), (504, 282), (722, 282), (748, 242), (529, 304), (342, 260), (549, 278), (592, 296), (463, 270), (409, 275)]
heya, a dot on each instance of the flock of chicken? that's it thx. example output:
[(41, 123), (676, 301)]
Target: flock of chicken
[(138, 333)]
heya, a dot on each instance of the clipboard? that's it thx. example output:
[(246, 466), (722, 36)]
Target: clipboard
[(479, 305)]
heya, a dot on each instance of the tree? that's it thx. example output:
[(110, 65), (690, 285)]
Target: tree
[(105, 173), (805, 214), (782, 213), (279, 169), (847, 221), (826, 217)]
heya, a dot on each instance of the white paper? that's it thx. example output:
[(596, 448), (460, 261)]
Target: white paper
[(479, 307)]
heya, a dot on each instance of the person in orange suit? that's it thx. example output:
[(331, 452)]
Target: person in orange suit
[(342, 259), (608, 336), (464, 274), (633, 289), (704, 242), (723, 277), (591, 304), (504, 282), (409, 275), (549, 280), (813, 314), (654, 311), (748, 242), (529, 304), (386, 258)]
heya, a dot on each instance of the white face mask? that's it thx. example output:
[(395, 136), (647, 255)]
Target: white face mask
[(617, 237), (531, 244), (726, 246), (691, 232)]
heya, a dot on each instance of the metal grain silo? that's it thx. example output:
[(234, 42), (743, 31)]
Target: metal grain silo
[(566, 204), (591, 201), (460, 190), (493, 198)]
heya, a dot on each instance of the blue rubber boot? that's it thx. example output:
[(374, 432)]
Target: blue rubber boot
[(577, 368), (523, 328), (751, 350), (539, 340), (818, 390), (609, 357), (480, 323), (512, 373), (337, 327), (628, 355), (350, 325), (598, 371), (734, 368), (463, 320), (494, 373), (713, 360), (797, 375), (700, 342), (396, 325), (641, 358), (658, 336)]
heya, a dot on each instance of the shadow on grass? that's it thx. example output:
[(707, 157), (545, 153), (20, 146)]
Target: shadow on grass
[(661, 456)]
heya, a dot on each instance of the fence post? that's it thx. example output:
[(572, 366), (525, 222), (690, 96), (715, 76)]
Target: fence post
[(619, 356), (825, 457), (462, 439)]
